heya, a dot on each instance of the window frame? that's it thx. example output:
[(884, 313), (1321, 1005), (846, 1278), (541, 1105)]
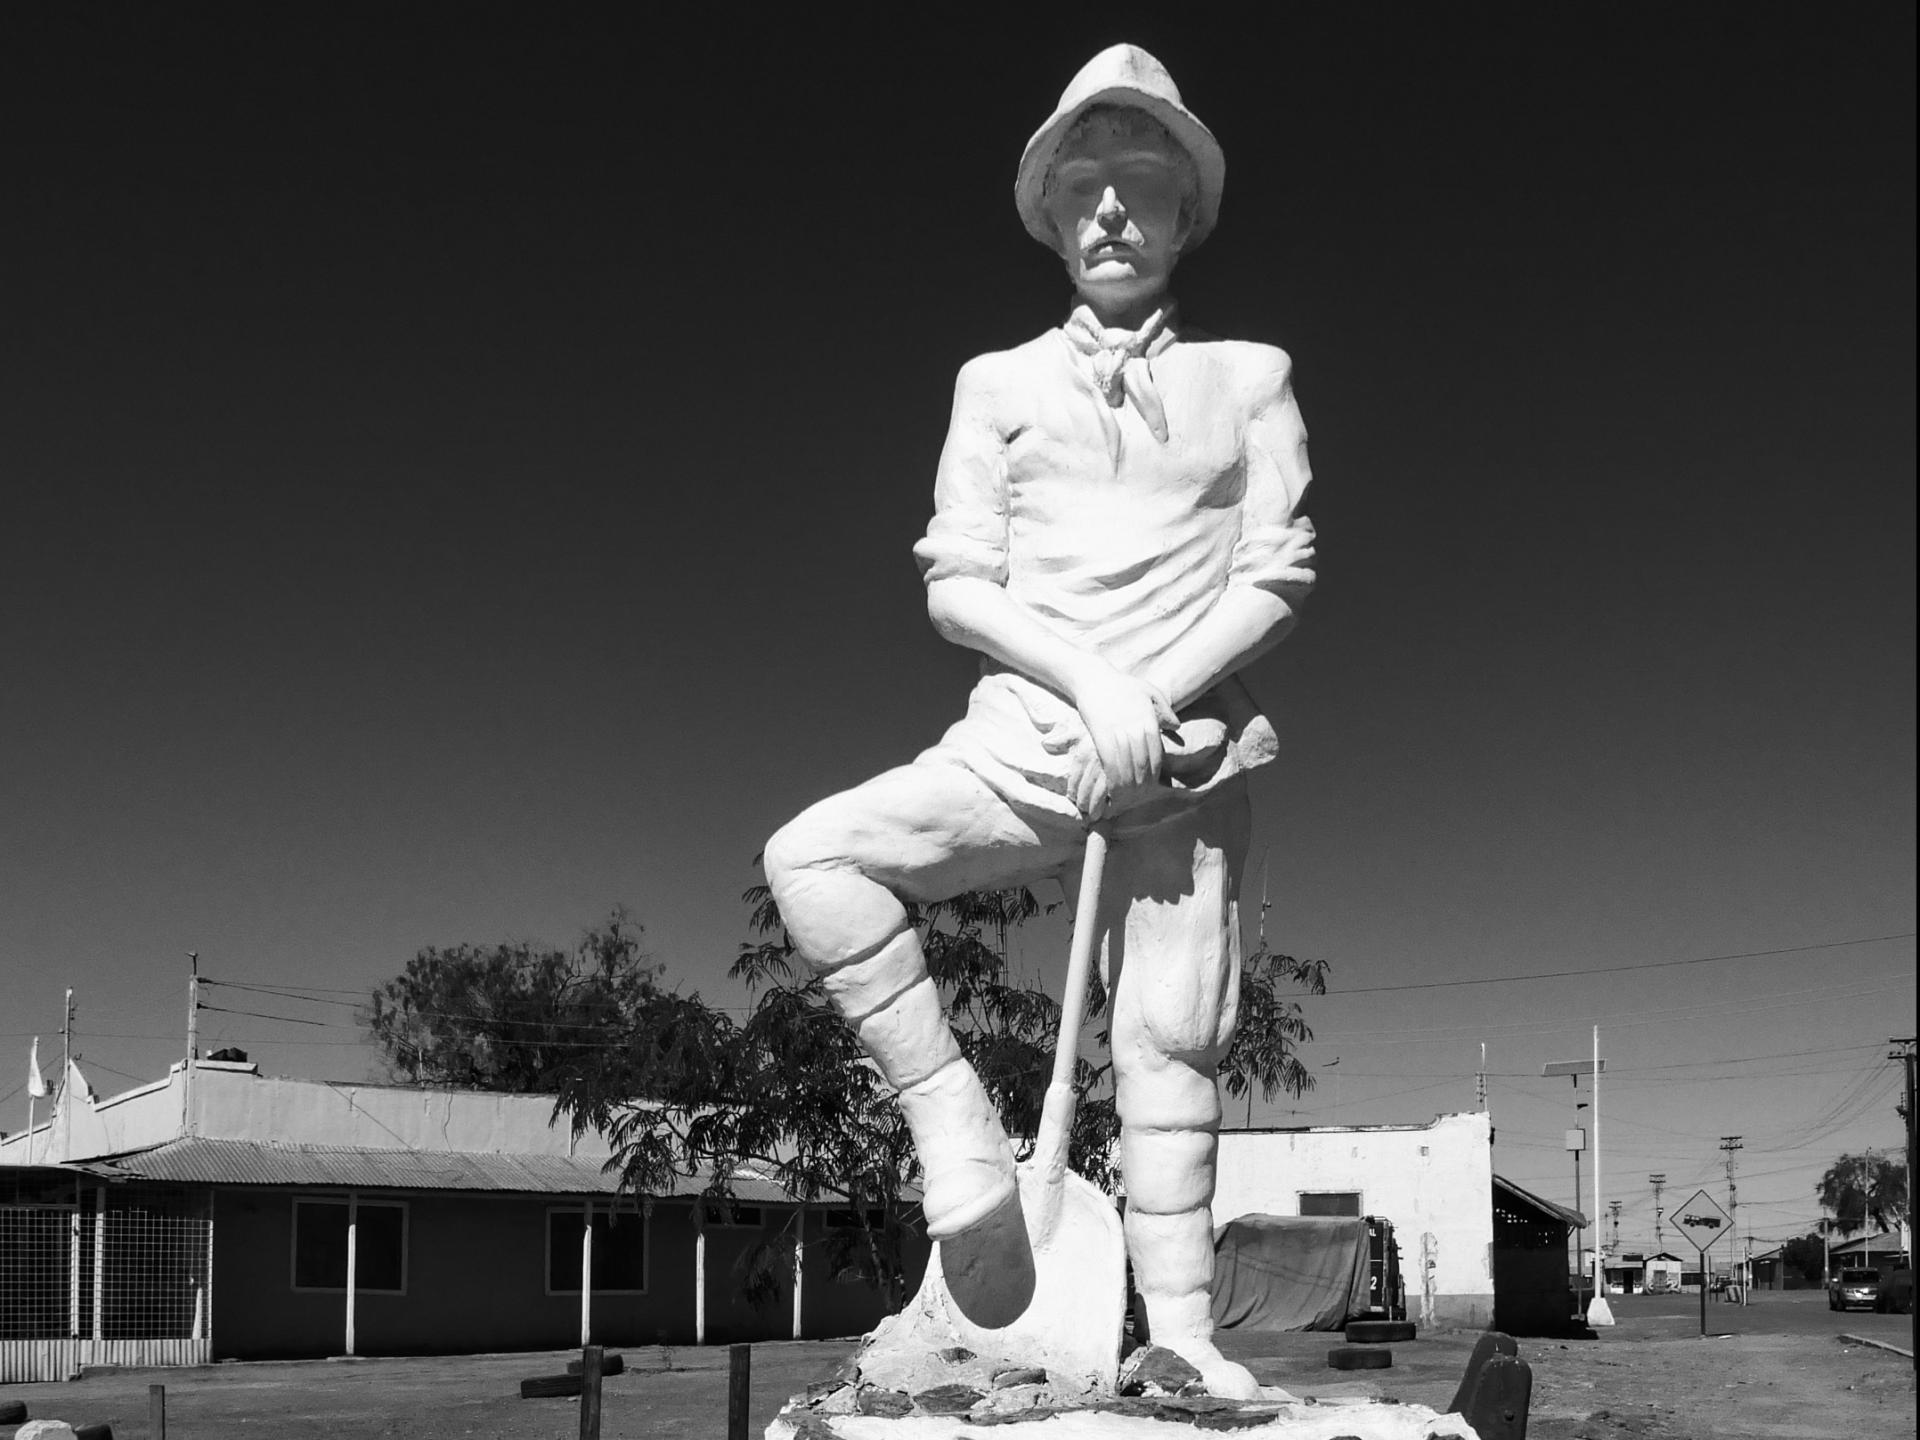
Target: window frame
[(1300, 1198), (351, 1203), (579, 1214)]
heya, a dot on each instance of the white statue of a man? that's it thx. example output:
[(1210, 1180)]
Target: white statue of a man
[(1117, 531)]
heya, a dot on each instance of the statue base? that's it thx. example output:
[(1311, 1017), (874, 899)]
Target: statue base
[(1109, 1418)]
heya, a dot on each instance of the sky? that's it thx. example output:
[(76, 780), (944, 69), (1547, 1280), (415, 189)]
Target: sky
[(461, 467)]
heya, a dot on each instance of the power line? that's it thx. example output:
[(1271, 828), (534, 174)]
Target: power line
[(1621, 969)]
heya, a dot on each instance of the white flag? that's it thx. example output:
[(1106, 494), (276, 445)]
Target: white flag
[(36, 1082), (77, 1083)]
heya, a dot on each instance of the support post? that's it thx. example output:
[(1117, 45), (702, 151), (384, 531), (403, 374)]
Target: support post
[(99, 1267), (157, 1412), (590, 1366), (353, 1262), (799, 1267), (586, 1276), (699, 1277), (739, 1389), (73, 1258)]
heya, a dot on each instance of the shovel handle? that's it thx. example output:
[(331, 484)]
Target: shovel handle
[(1056, 1117)]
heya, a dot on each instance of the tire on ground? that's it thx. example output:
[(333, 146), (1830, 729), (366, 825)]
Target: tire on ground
[(1378, 1332), (101, 1431), (1359, 1357), (550, 1387), (13, 1412), (609, 1365)]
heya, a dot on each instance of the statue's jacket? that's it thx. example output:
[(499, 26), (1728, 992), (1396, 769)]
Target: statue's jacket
[(1058, 488)]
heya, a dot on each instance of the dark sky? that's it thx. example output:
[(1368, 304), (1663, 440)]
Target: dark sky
[(461, 465)]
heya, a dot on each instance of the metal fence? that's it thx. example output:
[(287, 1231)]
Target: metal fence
[(117, 1275)]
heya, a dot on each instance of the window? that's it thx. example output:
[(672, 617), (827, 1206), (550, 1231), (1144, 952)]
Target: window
[(619, 1251), (1329, 1202), (850, 1219), (718, 1215), (320, 1245)]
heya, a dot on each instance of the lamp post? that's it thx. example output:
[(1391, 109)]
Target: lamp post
[(1598, 1311)]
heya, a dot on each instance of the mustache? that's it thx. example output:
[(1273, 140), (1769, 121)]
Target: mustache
[(1129, 236)]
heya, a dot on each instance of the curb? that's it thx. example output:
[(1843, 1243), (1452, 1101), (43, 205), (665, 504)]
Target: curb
[(1874, 1344)]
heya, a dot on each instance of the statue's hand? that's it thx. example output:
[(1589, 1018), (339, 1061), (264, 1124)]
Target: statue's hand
[(1124, 719)]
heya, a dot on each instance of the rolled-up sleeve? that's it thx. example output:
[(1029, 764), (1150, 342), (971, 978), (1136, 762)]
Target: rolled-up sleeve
[(968, 533), (1275, 549)]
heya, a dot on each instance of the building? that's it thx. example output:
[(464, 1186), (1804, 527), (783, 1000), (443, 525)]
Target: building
[(1532, 1295), (220, 1213), (1433, 1181)]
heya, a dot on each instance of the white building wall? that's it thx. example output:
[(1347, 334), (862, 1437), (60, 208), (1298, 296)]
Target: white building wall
[(1434, 1182), (232, 1101)]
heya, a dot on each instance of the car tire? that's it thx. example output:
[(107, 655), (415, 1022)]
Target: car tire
[(550, 1387), (1359, 1357), (1379, 1332), (13, 1412)]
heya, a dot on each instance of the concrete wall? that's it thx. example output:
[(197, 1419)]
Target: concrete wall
[(233, 1102), (1434, 1182), (242, 1106)]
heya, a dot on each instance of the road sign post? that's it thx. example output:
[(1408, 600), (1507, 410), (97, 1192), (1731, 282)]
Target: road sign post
[(1703, 1222)]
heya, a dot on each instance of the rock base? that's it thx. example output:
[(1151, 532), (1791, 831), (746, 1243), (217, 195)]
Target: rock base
[(1109, 1418)]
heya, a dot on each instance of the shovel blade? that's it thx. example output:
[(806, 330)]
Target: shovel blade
[(1043, 1282)]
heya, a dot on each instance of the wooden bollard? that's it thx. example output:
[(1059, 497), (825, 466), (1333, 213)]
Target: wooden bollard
[(590, 1358), (156, 1412), (739, 1389)]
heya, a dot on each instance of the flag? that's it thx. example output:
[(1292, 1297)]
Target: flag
[(36, 1082), (77, 1083)]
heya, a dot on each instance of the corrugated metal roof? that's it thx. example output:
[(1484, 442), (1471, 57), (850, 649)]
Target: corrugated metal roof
[(1539, 1202), (200, 1161)]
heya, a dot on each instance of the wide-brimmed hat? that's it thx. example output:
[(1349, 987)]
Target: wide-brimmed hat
[(1121, 75)]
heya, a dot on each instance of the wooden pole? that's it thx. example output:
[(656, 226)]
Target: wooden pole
[(739, 1389), (590, 1362), (156, 1412)]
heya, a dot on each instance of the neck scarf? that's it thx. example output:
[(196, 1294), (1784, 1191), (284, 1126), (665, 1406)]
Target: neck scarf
[(1117, 365)]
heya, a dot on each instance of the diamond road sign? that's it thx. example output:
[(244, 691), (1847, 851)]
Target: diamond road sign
[(1702, 1221)]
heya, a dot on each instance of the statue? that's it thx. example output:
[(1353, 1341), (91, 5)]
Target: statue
[(1117, 532)]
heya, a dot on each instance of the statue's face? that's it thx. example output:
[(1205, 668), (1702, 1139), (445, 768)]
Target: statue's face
[(1114, 200)]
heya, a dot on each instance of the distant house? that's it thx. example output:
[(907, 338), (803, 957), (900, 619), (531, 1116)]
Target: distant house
[(1871, 1252), (1663, 1272), (222, 1213)]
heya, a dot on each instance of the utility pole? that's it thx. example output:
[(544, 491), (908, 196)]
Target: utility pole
[(1730, 1144), (193, 1042), (66, 1082), (1906, 1056), (1659, 1236), (1613, 1214)]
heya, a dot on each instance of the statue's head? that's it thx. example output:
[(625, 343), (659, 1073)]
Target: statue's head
[(1122, 180)]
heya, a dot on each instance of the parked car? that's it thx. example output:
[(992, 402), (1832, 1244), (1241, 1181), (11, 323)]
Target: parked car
[(1854, 1287), (1896, 1293)]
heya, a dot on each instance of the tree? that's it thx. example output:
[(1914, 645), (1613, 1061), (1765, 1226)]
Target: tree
[(790, 1092), (514, 1017), (1863, 1190), (1807, 1255)]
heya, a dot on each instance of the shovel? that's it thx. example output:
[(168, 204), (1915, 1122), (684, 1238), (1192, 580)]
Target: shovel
[(1042, 1282)]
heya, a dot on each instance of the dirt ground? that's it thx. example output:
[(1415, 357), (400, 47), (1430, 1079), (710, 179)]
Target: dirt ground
[(1785, 1375)]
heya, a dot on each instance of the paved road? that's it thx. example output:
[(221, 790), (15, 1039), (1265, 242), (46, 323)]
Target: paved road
[(1772, 1312)]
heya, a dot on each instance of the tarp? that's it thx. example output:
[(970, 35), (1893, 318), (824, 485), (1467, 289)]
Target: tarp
[(1289, 1272)]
